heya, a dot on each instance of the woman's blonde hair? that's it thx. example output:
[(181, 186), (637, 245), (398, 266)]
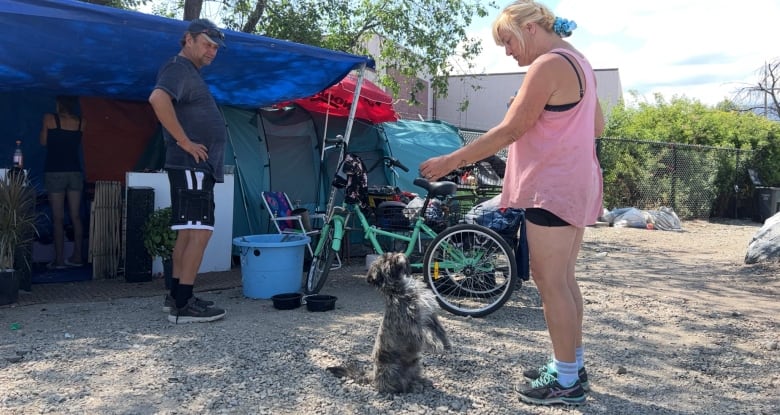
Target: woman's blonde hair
[(518, 14)]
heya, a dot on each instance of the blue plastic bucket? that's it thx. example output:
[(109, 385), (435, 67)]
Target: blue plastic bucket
[(271, 264)]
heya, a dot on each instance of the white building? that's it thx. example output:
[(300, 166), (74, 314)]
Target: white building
[(487, 96)]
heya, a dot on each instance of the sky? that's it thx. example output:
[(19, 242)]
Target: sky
[(704, 50)]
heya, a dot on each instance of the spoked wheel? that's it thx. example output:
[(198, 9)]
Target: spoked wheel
[(471, 270), (320, 265)]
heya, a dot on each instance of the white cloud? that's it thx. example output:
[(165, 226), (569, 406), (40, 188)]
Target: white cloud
[(697, 48)]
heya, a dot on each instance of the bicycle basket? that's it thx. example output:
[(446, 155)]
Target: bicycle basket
[(390, 215)]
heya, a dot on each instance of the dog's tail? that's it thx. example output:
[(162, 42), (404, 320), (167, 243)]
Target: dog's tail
[(350, 370)]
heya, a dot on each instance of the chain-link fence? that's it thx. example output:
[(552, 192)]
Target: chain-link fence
[(695, 181)]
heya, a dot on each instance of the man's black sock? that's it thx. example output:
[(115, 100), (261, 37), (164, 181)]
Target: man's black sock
[(183, 294), (174, 286)]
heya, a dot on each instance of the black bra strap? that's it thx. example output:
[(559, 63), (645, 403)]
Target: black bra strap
[(576, 72), (57, 120)]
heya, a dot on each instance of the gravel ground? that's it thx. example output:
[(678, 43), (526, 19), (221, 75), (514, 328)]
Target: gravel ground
[(675, 324)]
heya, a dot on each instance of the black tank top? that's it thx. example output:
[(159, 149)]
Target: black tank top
[(62, 149)]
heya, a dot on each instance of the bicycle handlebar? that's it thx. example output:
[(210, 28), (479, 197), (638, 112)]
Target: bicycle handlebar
[(338, 140), (392, 161)]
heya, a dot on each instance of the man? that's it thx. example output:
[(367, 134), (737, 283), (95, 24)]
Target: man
[(195, 136)]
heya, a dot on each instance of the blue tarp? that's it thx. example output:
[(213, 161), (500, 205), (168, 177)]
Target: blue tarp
[(413, 142), (69, 47)]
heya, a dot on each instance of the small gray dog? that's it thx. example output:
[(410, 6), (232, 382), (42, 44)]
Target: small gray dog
[(409, 326)]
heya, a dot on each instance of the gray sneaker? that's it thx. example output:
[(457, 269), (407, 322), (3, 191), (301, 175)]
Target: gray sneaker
[(195, 312), (533, 374), (170, 303), (547, 391)]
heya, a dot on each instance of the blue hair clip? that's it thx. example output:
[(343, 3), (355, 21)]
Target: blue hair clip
[(563, 27)]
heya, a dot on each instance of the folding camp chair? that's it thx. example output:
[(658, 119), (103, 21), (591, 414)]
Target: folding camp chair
[(289, 220)]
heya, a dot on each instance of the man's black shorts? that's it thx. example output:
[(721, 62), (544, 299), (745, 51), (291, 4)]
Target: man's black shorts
[(192, 199)]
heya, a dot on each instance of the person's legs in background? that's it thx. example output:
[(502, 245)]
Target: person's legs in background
[(57, 203), (74, 209)]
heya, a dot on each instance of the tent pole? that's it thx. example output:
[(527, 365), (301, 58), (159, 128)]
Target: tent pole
[(322, 153), (353, 107), (325, 131), (350, 120), (238, 173)]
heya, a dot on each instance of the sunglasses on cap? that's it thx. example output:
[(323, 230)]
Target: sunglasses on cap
[(213, 33)]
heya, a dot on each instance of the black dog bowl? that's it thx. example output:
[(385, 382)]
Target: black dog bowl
[(320, 302), (287, 301)]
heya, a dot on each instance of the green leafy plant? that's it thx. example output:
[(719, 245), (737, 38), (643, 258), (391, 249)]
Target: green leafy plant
[(159, 238), (17, 216)]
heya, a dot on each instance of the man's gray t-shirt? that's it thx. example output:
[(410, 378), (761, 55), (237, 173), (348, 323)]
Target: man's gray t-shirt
[(198, 115)]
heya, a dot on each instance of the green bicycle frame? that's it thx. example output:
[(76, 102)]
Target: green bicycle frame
[(457, 258)]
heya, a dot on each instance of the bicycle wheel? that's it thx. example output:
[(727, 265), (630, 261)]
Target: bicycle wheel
[(471, 270), (320, 265)]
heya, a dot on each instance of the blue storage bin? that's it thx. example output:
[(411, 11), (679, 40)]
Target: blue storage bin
[(271, 264)]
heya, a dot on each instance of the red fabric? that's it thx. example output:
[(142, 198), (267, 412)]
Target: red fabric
[(374, 104), (116, 135)]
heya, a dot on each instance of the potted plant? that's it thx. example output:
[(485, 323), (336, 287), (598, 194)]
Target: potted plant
[(159, 239), (17, 229)]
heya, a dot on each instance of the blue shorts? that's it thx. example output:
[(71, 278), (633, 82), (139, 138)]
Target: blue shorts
[(192, 199)]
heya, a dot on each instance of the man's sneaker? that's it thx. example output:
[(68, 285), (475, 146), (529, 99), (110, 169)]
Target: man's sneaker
[(195, 312), (547, 391), (533, 374), (170, 303)]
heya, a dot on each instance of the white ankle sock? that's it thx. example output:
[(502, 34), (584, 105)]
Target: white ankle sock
[(579, 352), (567, 372)]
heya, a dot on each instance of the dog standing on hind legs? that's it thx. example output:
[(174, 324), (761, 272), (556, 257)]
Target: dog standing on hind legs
[(408, 328)]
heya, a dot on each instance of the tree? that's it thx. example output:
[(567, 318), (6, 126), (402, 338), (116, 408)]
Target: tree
[(122, 4), (414, 38), (688, 121), (763, 97)]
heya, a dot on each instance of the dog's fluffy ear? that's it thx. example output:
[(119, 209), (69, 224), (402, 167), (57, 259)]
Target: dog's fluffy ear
[(399, 264), (389, 267), (375, 274)]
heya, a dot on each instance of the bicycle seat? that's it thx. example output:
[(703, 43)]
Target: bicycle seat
[(436, 188)]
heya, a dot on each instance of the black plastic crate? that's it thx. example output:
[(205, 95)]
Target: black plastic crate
[(390, 215)]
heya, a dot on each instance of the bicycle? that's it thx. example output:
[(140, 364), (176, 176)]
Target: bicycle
[(470, 268)]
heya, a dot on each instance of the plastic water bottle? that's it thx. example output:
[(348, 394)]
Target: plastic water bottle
[(18, 157)]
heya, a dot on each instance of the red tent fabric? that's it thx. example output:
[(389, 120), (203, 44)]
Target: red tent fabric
[(374, 104)]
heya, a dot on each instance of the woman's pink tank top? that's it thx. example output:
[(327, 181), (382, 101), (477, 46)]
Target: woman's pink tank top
[(553, 166)]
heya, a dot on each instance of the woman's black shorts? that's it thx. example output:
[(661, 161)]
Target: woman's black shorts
[(543, 217)]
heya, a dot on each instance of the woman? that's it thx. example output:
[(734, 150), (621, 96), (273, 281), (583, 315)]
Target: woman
[(61, 135), (553, 173)]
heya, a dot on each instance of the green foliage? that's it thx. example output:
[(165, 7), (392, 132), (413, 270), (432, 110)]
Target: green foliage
[(17, 216), (159, 238), (696, 181), (121, 4), (688, 121)]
